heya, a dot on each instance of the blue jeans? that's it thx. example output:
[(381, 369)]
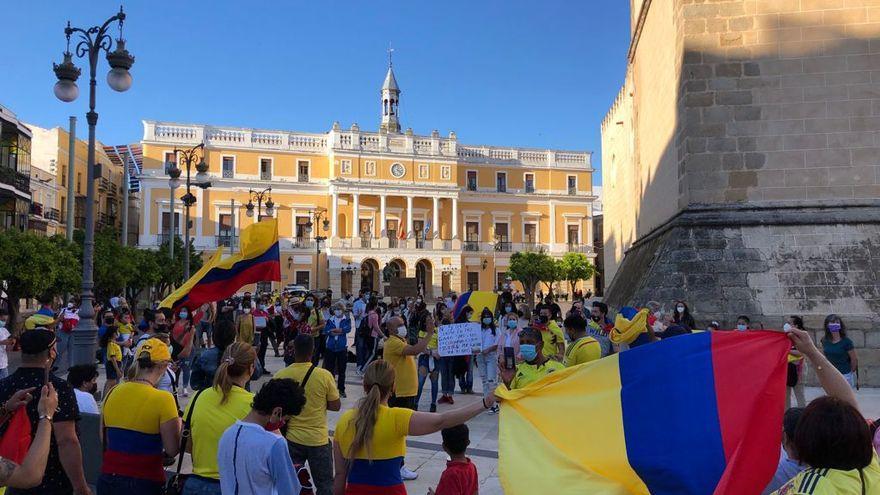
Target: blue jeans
[(204, 329), (185, 370), (447, 378), (63, 346), (424, 372), (196, 485), (111, 484)]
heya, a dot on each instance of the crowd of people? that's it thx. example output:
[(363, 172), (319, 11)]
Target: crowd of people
[(241, 442)]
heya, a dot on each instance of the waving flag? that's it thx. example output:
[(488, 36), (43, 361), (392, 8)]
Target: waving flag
[(477, 300), (258, 261), (695, 414)]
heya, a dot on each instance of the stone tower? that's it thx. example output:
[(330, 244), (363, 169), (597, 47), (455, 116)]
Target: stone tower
[(390, 101), (741, 164)]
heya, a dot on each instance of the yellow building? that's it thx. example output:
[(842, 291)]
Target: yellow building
[(50, 153), (426, 207)]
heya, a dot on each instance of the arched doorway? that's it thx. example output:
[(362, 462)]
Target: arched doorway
[(370, 275), (395, 268), (425, 278)]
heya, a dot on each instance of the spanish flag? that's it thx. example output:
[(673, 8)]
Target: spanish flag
[(257, 261), (477, 300), (695, 414)]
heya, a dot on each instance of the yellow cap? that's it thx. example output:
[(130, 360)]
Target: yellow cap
[(625, 331), (157, 350)]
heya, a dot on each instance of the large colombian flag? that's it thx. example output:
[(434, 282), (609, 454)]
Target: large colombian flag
[(257, 261), (477, 300), (695, 414)]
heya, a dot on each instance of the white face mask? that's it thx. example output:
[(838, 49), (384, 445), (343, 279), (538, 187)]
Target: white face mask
[(401, 331), (786, 327), (680, 309)]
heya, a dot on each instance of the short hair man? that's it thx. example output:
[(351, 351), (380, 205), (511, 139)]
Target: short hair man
[(84, 380)]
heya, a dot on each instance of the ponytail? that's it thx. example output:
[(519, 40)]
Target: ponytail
[(379, 379), (236, 361)]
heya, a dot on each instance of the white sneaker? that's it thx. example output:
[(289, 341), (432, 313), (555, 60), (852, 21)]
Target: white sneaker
[(407, 475)]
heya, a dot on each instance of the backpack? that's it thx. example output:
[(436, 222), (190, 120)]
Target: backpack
[(363, 330)]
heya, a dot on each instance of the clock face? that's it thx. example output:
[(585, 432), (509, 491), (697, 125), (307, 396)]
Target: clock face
[(398, 170)]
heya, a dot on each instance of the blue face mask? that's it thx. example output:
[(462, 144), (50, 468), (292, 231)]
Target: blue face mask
[(528, 351), (834, 327), (309, 304), (511, 324), (487, 321)]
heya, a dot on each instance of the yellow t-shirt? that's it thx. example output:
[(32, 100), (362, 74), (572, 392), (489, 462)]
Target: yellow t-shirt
[(815, 481), (528, 373), (210, 420), (406, 382), (583, 350), (246, 328), (310, 427), (389, 433), (314, 322), (114, 352), (125, 328), (432, 344), (552, 337)]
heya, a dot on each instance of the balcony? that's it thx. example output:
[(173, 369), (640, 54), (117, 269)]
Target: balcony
[(530, 188), (423, 244), (532, 246), (36, 209), (103, 184), (472, 246), (302, 178), (164, 238), (20, 181), (503, 247), (79, 223), (52, 214), (572, 191), (226, 240), (393, 242), (573, 247), (303, 243)]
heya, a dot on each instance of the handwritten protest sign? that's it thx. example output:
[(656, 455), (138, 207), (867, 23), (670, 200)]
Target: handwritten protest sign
[(458, 339)]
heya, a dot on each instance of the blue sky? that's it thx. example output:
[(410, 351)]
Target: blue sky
[(507, 73)]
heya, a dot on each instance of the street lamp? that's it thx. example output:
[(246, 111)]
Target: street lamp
[(318, 216), (264, 195), (91, 42), (202, 180)]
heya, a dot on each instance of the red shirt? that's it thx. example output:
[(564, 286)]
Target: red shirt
[(460, 478)]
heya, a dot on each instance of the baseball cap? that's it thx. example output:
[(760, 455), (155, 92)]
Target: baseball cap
[(157, 350), (37, 340)]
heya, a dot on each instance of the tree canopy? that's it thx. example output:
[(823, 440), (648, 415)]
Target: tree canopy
[(529, 268), (574, 267)]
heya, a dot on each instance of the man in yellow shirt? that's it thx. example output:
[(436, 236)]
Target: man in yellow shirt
[(307, 436), (401, 356), (535, 365), (582, 348), (554, 341)]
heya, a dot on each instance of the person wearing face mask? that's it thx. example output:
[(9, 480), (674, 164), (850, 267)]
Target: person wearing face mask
[(5, 340), (487, 355), (316, 323), (508, 337), (84, 380), (839, 349), (336, 330), (261, 331), (401, 356), (182, 337), (794, 381), (112, 359), (581, 348), (359, 312), (743, 323), (428, 360), (682, 316), (554, 340), (463, 366), (534, 366), (252, 459), (244, 324), (375, 335)]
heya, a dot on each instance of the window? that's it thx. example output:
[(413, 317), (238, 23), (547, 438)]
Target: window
[(501, 181), (572, 185), (391, 232), (265, 169), (500, 280), (170, 157), (228, 167), (225, 224), (301, 229), (166, 223), (530, 233), (573, 233), (502, 237), (264, 287), (445, 172), (365, 227), (419, 231), (78, 181), (529, 183), (472, 231), (302, 278), (424, 171), (346, 167), (63, 178), (370, 168), (471, 180), (473, 280), (302, 168)]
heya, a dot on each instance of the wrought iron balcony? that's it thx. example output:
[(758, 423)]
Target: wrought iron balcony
[(473, 246), (503, 247), (36, 209), (226, 240)]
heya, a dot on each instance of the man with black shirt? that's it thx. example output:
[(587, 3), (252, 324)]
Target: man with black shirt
[(64, 469)]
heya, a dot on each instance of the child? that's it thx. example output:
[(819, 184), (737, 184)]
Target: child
[(460, 476), (113, 358)]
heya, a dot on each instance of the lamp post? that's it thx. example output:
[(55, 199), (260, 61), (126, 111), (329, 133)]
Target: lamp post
[(92, 41), (202, 180), (260, 196), (318, 217)]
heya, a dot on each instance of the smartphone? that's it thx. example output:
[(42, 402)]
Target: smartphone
[(509, 358)]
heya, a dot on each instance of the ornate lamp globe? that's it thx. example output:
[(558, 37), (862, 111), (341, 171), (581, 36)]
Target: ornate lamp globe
[(66, 89)]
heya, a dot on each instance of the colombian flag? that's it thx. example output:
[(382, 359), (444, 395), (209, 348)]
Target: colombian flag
[(258, 261), (695, 414), (477, 300)]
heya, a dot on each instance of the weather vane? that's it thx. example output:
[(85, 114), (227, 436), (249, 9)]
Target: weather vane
[(390, 51)]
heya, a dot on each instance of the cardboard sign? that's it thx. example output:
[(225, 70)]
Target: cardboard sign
[(459, 339)]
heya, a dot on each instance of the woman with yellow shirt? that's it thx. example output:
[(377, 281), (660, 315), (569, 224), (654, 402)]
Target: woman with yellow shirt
[(112, 358), (428, 359), (213, 411), (370, 440)]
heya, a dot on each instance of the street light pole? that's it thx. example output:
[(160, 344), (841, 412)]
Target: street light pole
[(71, 171), (92, 41), (202, 179), (260, 196), (319, 219)]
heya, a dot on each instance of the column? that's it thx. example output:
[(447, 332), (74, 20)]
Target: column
[(552, 226), (334, 228), (382, 222), (435, 222), (455, 218), (409, 220), (355, 210)]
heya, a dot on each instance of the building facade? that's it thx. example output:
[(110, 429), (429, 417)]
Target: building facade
[(15, 171), (50, 151), (741, 164), (390, 203)]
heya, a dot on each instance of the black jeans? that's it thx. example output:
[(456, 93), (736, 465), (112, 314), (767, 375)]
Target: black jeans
[(335, 362), (320, 348), (111, 484), (320, 461), (405, 402)]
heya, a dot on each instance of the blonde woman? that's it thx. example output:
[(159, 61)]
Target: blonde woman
[(370, 441)]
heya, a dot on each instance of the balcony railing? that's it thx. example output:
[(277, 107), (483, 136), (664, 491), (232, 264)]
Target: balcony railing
[(472, 246), (572, 247), (52, 214), (302, 178), (531, 246), (572, 191), (37, 209), (393, 242), (530, 189), (226, 240), (504, 247), (423, 244), (164, 238), (103, 184), (20, 181), (303, 243)]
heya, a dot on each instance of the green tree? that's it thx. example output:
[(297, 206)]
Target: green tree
[(172, 271), (148, 272), (114, 267), (529, 268), (36, 266), (575, 267)]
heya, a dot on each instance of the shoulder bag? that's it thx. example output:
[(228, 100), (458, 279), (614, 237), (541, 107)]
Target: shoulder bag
[(174, 486)]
